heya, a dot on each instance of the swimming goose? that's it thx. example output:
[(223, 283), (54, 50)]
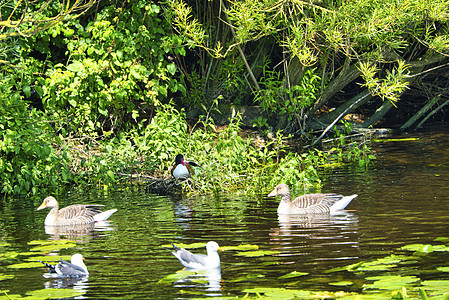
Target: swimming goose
[(77, 214), (309, 203), (199, 261), (75, 268), (182, 168)]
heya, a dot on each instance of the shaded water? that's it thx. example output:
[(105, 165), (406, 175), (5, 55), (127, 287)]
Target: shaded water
[(403, 199)]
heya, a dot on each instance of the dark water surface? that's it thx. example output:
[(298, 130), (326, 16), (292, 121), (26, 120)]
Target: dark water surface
[(403, 199)]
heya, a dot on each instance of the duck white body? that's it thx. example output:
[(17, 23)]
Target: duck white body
[(199, 261), (309, 203)]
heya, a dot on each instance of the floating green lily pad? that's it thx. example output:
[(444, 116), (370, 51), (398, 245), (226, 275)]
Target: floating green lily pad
[(8, 255), (421, 248), (390, 282), (48, 258), (244, 247), (6, 276), (280, 293), (437, 285), (381, 264), (257, 253), (341, 283), (26, 265), (53, 293), (293, 274), (442, 239), (179, 275), (51, 247), (50, 242), (246, 278), (443, 269)]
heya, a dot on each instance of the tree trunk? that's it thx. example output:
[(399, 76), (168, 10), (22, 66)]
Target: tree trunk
[(348, 74)]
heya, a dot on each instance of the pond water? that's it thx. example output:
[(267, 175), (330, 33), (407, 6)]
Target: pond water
[(403, 199)]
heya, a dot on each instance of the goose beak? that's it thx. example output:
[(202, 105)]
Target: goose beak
[(273, 193), (220, 249), (43, 205)]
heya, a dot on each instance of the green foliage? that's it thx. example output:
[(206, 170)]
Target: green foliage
[(276, 98), (27, 158), (117, 69)]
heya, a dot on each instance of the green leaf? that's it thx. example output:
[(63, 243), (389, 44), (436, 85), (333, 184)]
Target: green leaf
[(75, 66), (390, 282), (53, 293), (341, 283), (293, 274), (27, 90), (5, 277), (172, 69), (26, 265), (257, 253)]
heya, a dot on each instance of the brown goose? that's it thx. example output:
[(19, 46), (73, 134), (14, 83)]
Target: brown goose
[(309, 203), (77, 214)]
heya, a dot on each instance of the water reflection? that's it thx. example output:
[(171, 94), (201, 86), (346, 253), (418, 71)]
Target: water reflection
[(78, 232), (289, 224), (209, 280)]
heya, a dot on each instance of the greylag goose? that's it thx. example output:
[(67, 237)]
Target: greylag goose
[(182, 169), (199, 261), (77, 214), (309, 203), (76, 268)]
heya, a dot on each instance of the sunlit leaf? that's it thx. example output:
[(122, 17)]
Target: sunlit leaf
[(49, 242), (179, 275), (341, 283), (75, 67), (257, 253), (280, 293), (48, 258), (54, 293), (390, 282), (49, 248), (8, 255), (243, 247), (5, 276), (293, 274), (443, 269), (26, 265), (442, 239)]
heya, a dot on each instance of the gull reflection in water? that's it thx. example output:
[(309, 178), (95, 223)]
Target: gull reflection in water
[(75, 232), (77, 283), (209, 279)]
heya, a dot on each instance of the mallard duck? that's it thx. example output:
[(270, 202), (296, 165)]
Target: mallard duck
[(77, 214), (76, 268), (182, 169), (309, 203), (199, 261)]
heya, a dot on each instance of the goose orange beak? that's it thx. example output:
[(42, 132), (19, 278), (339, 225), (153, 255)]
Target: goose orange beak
[(42, 206)]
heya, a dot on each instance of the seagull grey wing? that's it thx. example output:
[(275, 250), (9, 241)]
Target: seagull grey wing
[(190, 258), (69, 269)]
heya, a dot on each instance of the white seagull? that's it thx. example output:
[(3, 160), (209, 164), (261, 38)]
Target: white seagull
[(199, 261), (75, 268)]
